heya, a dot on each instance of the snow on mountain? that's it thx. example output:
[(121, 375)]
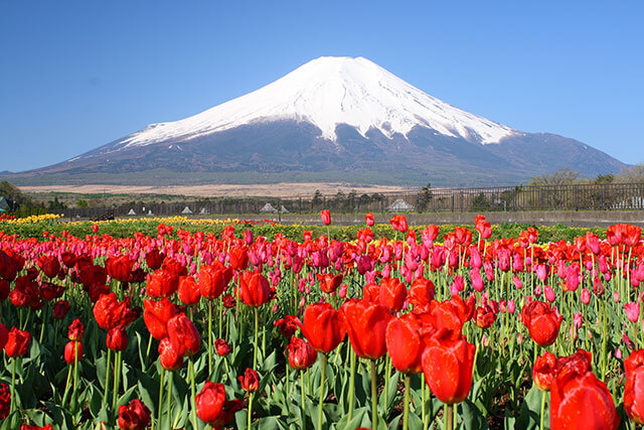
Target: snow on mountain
[(326, 92)]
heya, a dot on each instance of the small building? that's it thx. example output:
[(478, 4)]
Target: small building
[(399, 205), (131, 212), (284, 210), (268, 208), (186, 211)]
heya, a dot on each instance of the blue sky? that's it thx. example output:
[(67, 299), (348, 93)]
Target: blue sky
[(75, 75)]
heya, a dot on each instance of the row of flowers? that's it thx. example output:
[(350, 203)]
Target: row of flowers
[(253, 332)]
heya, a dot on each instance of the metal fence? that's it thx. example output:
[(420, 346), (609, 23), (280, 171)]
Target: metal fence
[(517, 198)]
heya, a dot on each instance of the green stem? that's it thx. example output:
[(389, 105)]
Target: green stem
[(221, 313), (448, 417), (543, 409), (374, 396), (352, 383), (303, 398), (13, 385), (387, 373), (69, 378), (169, 401), (191, 369), (322, 381), (42, 326), (209, 338), (147, 354), (117, 378), (406, 409), (256, 341), (250, 411), (161, 397), (75, 390), (107, 376), (422, 396)]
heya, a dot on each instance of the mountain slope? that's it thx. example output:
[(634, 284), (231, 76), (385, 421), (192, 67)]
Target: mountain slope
[(343, 115)]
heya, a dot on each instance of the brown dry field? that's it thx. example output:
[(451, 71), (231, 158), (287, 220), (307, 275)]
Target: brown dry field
[(222, 190)]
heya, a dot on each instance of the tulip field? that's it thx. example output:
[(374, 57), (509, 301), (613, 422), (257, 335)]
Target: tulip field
[(415, 328)]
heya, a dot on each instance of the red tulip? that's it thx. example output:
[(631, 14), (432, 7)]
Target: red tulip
[(484, 316), (119, 268), (5, 400), (28, 427), (369, 219), (366, 324), (326, 216), (250, 381), (4, 335), (238, 257), (542, 322), (222, 348), (450, 315), (213, 280), (188, 291), (184, 335), (134, 416), (69, 259), (212, 406), (61, 308), (447, 365), (404, 343), (544, 371), (399, 223), (578, 400), (76, 330), (156, 315), (17, 342), (116, 339), (110, 313), (162, 283), (322, 326), (169, 358), (329, 282), (154, 259), (421, 292), (287, 326), (392, 294), (92, 275), (301, 354), (49, 265), (634, 389), (254, 289), (73, 351)]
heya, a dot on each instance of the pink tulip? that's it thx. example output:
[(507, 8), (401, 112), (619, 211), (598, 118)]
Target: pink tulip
[(632, 310)]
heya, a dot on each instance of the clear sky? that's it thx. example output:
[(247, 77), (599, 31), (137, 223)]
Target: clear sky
[(75, 75)]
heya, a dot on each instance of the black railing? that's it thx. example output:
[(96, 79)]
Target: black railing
[(518, 198)]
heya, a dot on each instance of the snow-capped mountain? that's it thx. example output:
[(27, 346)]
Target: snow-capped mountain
[(327, 92), (332, 119)]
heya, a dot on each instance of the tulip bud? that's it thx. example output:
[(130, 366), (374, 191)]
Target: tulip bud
[(250, 381), (73, 352)]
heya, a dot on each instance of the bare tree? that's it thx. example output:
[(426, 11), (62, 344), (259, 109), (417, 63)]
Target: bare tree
[(632, 174), (563, 176)]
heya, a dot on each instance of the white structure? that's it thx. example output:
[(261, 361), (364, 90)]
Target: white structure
[(268, 208), (400, 206), (283, 210), (186, 211), (203, 211), (131, 212)]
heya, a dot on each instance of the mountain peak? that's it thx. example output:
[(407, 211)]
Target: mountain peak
[(327, 92)]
